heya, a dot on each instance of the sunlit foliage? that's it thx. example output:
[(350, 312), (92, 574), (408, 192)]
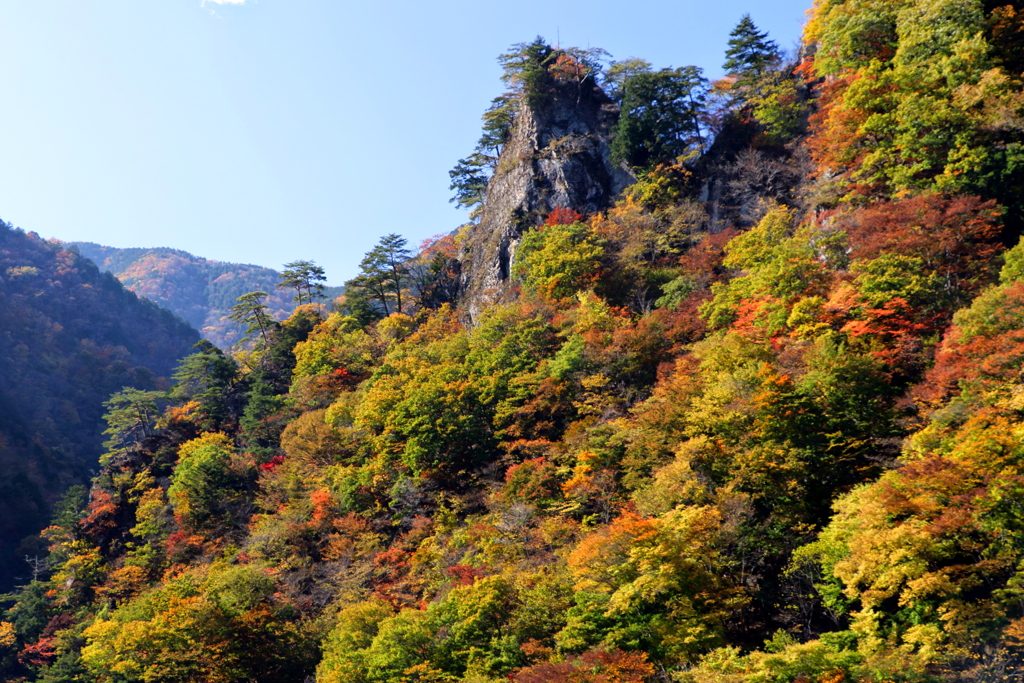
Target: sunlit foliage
[(760, 421)]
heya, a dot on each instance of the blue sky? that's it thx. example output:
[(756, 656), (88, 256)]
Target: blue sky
[(269, 131)]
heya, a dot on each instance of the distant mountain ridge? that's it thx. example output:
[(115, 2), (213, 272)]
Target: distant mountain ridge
[(201, 291)]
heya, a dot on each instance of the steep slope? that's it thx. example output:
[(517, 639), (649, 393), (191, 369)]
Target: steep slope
[(69, 337), (199, 290), (772, 431)]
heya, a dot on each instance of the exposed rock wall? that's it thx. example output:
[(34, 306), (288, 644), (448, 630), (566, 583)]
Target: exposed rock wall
[(558, 156)]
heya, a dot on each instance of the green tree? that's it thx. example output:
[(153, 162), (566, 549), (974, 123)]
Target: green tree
[(204, 487), (226, 628), (253, 313), (524, 72), (780, 270), (345, 646), (431, 405), (131, 417), (654, 584), (929, 99), (469, 179), (210, 378), (620, 72), (497, 124), (525, 68), (261, 421), (750, 53), (306, 278), (660, 116), (385, 274), (471, 174), (557, 261), (263, 418), (756, 82), (529, 70), (67, 513)]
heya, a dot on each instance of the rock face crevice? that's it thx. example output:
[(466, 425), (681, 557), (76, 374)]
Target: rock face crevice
[(557, 156)]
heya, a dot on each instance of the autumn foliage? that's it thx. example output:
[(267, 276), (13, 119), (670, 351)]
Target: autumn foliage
[(761, 420)]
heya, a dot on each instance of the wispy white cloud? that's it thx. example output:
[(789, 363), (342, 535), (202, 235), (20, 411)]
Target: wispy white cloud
[(208, 5)]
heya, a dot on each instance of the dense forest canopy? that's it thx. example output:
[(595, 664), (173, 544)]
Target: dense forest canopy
[(759, 421)]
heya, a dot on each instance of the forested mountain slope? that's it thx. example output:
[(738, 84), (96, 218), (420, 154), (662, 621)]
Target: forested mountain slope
[(756, 419), (69, 337), (199, 290)]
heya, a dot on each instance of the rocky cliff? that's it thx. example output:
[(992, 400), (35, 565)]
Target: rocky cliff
[(557, 156)]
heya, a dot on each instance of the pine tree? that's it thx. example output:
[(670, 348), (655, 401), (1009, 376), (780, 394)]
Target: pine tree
[(470, 175), (469, 179), (525, 72), (210, 378), (131, 416), (620, 72), (385, 274), (497, 125), (306, 278), (525, 68), (252, 312)]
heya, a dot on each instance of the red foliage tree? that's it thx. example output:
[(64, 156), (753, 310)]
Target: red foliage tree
[(956, 237), (595, 666), (563, 216), (532, 481), (984, 351)]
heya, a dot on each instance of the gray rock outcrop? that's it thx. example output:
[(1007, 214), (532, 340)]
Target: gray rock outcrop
[(557, 156)]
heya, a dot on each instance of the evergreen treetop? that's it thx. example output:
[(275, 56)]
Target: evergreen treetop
[(750, 51), (384, 276), (306, 278)]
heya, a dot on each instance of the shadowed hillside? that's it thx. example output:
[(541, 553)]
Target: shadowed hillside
[(70, 336)]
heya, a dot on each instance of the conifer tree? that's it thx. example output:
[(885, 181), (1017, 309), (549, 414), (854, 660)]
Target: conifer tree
[(469, 179), (385, 275), (131, 415), (306, 278), (660, 116), (497, 125), (524, 70), (252, 312), (525, 67), (470, 175), (757, 83), (210, 378), (750, 52), (620, 72)]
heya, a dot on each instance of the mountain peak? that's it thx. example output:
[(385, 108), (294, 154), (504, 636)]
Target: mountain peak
[(557, 156)]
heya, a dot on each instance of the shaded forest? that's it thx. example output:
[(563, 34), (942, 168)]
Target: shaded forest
[(756, 418), (70, 336)]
